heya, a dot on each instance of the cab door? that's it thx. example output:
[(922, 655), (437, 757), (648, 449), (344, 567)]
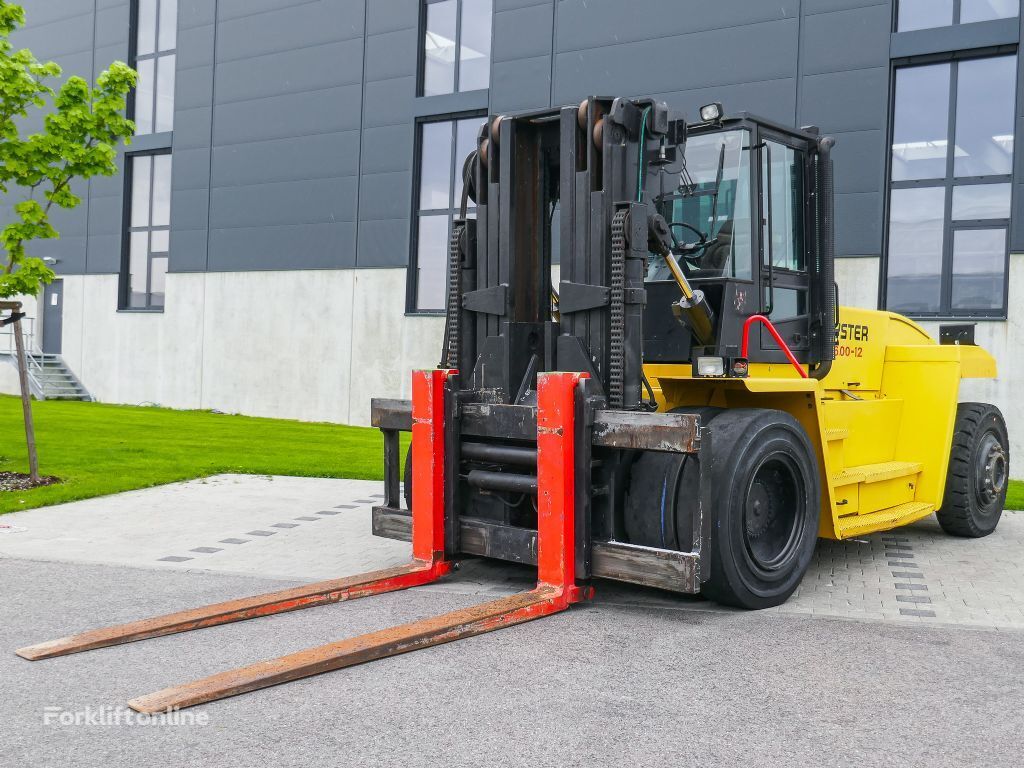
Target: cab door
[(785, 235)]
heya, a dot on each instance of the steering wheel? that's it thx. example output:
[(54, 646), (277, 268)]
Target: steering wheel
[(695, 231)]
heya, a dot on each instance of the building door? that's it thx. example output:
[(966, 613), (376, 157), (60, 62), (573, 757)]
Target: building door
[(53, 316)]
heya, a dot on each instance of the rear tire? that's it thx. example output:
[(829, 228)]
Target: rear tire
[(764, 515), (978, 475)]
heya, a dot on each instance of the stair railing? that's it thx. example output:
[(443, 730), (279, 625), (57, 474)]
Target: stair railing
[(33, 355)]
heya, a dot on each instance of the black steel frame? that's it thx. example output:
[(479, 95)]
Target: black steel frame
[(124, 284), (421, 47), (598, 555), (947, 182), (133, 56), (412, 273)]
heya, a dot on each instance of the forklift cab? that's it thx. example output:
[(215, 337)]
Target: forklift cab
[(739, 197)]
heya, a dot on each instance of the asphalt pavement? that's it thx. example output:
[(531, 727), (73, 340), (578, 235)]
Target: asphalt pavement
[(603, 684)]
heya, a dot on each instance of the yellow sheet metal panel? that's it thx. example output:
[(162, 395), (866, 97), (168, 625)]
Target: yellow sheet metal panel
[(975, 362), (881, 422), (925, 432), (902, 514), (871, 427), (860, 349), (847, 499), (875, 497)]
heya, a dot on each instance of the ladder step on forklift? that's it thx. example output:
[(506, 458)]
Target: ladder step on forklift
[(646, 376)]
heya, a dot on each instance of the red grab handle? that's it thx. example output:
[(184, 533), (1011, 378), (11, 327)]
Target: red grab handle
[(775, 335)]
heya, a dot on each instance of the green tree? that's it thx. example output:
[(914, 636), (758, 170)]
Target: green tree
[(82, 127)]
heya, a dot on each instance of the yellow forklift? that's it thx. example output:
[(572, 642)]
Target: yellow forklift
[(646, 376)]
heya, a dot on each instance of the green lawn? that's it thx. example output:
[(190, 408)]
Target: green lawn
[(98, 449), (1015, 497)]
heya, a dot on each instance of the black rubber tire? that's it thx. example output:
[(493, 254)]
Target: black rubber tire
[(660, 485), (407, 480), (764, 515), (978, 474)]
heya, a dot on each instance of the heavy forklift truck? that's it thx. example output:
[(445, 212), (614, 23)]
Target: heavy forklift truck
[(684, 406)]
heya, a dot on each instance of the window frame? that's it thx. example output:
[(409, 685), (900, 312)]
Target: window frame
[(155, 56), (124, 283), (947, 183), (421, 55), (412, 273)]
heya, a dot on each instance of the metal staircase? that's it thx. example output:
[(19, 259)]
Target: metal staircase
[(49, 377)]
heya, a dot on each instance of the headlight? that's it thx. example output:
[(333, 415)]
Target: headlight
[(710, 366), (711, 113)]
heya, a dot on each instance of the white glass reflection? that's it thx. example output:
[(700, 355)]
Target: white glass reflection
[(165, 94), (439, 48), (431, 259), (145, 38), (986, 10), (981, 201), (920, 119), (168, 24), (138, 269), (141, 171), (143, 114), (979, 267), (984, 116), (915, 249), (475, 45), (435, 165), (161, 190)]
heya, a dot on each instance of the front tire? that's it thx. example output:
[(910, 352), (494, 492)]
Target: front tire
[(978, 475), (764, 515)]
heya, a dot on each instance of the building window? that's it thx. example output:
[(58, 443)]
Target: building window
[(147, 234), (443, 146), (153, 55), (949, 198), (927, 14), (456, 46)]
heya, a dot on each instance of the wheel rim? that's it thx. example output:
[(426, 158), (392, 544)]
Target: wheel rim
[(774, 512), (991, 469)]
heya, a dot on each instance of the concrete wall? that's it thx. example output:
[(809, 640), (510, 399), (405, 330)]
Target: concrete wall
[(306, 344)]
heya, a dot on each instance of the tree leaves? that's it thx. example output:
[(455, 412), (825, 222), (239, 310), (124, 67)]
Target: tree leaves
[(82, 127)]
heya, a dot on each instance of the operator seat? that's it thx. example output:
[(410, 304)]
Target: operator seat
[(716, 258)]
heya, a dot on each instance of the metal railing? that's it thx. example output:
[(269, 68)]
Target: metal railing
[(28, 330), (33, 354)]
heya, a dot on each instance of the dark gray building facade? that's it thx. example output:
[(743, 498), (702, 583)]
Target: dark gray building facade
[(323, 136)]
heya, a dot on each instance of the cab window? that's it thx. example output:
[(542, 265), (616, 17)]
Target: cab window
[(701, 207), (782, 190)]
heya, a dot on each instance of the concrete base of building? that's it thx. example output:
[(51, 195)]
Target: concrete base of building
[(314, 345)]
